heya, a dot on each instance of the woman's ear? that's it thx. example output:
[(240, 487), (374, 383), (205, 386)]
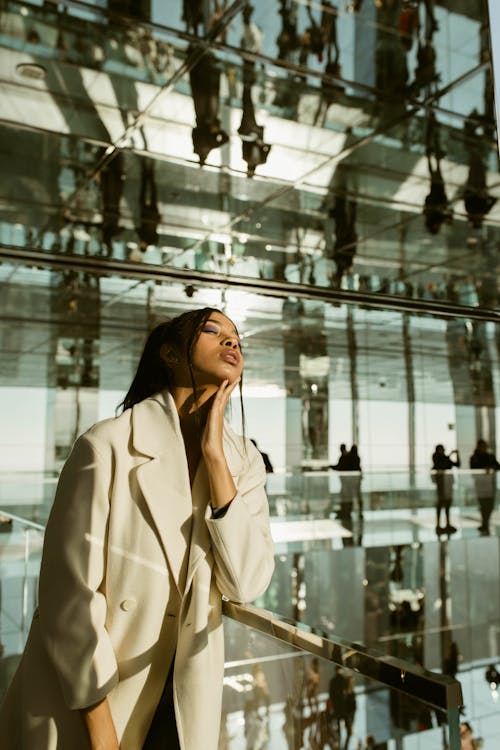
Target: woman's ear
[(169, 355)]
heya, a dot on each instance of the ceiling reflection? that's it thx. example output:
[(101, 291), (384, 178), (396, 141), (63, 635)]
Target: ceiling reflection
[(337, 145)]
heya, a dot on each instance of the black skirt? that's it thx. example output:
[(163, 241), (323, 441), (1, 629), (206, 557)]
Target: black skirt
[(162, 734)]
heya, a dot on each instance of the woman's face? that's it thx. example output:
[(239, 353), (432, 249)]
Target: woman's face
[(217, 353)]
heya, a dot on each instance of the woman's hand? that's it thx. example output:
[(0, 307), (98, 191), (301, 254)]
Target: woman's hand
[(211, 441), (222, 487)]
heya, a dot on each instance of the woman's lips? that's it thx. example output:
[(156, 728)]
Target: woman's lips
[(231, 357)]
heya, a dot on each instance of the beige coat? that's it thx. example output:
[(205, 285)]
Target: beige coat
[(133, 571)]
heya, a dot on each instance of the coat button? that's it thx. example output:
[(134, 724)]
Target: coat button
[(128, 605)]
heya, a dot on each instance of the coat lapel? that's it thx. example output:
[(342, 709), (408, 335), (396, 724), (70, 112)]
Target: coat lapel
[(200, 539), (178, 513), (164, 480)]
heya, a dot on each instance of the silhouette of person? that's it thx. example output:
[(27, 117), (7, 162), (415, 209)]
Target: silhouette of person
[(312, 684), (254, 150), (467, 741), (149, 215), (441, 465), (354, 466), (485, 482), (204, 77), (436, 208), (330, 91), (111, 179), (342, 466), (349, 464), (477, 201), (451, 659), (343, 214), (337, 690), (349, 709)]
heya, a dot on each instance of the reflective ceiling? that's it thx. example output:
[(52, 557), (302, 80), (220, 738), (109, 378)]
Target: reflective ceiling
[(323, 128)]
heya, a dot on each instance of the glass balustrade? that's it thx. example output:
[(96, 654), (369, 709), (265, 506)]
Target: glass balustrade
[(407, 601), (316, 495), (277, 685), (20, 554), (286, 688)]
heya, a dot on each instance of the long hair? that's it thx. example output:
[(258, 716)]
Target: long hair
[(153, 372)]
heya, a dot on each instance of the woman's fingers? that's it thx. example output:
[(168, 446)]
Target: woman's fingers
[(212, 434), (224, 392)]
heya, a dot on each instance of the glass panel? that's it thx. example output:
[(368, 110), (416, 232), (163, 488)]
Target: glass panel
[(20, 554), (280, 698)]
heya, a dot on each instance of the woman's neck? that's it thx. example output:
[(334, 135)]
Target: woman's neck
[(187, 404)]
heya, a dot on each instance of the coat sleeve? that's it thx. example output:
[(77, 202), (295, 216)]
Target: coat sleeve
[(72, 604), (241, 539)]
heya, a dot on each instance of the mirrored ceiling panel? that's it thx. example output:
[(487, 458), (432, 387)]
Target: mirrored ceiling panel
[(340, 145)]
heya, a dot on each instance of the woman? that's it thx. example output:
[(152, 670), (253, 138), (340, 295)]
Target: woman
[(158, 514), (441, 465)]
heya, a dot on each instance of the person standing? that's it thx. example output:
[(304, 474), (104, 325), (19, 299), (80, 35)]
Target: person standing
[(354, 466), (342, 466), (337, 691), (484, 465), (443, 479), (158, 514)]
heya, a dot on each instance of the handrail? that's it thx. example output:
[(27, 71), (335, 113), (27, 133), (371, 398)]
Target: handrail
[(23, 521), (441, 692), (280, 289)]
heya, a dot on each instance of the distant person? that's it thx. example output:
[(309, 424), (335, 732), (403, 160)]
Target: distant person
[(436, 206), (354, 464), (349, 709), (485, 482), (265, 458), (467, 741), (451, 659), (312, 684), (441, 465), (477, 201), (349, 464), (337, 691), (342, 466)]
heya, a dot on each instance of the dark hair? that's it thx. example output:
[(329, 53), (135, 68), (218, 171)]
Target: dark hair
[(153, 373)]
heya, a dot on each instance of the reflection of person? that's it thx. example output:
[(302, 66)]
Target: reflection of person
[(337, 691), (467, 741), (158, 513), (436, 207), (349, 464), (485, 482), (349, 709), (204, 76), (312, 684), (477, 200), (441, 465), (451, 659), (354, 479), (342, 465)]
